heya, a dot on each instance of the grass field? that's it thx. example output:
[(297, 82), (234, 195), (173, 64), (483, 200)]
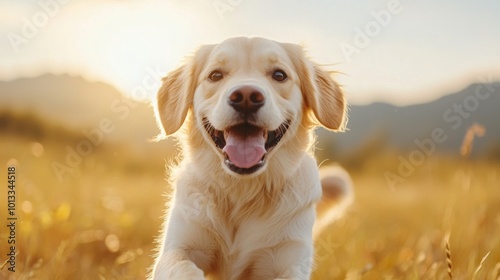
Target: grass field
[(99, 221)]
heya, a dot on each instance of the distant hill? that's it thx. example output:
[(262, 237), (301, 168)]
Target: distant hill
[(401, 126), (76, 103)]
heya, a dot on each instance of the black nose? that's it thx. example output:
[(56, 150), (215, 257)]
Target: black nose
[(246, 99)]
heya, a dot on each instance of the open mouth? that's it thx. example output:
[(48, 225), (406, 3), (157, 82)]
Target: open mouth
[(245, 145)]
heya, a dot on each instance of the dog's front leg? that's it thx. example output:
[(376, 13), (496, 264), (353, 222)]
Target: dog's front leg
[(293, 258), (187, 248), (295, 261), (174, 265)]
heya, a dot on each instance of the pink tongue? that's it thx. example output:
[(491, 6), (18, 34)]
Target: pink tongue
[(247, 151)]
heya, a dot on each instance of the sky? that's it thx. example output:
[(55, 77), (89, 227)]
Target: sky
[(402, 52)]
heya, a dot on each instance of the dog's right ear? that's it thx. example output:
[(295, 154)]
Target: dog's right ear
[(174, 99), (175, 96)]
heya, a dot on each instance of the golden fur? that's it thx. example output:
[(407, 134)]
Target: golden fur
[(224, 225)]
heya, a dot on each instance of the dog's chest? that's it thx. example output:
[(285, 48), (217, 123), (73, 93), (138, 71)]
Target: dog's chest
[(240, 235), (241, 226)]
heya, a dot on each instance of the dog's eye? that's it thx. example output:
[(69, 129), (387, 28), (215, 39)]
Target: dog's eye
[(279, 75), (215, 76)]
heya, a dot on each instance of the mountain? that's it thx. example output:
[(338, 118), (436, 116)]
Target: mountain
[(400, 127), (81, 105)]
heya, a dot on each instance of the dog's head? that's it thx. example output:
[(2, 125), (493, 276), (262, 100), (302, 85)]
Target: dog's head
[(248, 97)]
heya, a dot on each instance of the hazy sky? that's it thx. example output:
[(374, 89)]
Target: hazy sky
[(397, 51)]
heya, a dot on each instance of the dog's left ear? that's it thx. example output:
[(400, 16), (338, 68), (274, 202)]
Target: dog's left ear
[(325, 98), (175, 97), (322, 95)]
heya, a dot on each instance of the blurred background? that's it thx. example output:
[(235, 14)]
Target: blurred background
[(423, 142)]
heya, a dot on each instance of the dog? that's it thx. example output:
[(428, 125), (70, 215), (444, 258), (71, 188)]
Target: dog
[(247, 187)]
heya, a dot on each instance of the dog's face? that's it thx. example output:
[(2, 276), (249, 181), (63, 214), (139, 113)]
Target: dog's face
[(248, 98)]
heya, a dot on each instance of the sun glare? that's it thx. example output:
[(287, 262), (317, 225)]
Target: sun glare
[(130, 45)]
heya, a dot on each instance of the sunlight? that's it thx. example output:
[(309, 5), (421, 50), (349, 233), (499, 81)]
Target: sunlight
[(133, 44), (130, 44), (86, 178)]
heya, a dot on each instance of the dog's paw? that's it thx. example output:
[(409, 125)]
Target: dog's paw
[(184, 270), (188, 271)]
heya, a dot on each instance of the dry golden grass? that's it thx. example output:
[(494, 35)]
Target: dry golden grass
[(100, 222), (401, 234)]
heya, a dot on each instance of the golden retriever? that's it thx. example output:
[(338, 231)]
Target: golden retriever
[(246, 191)]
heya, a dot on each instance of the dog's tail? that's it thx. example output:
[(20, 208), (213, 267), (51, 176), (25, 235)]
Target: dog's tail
[(337, 196)]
